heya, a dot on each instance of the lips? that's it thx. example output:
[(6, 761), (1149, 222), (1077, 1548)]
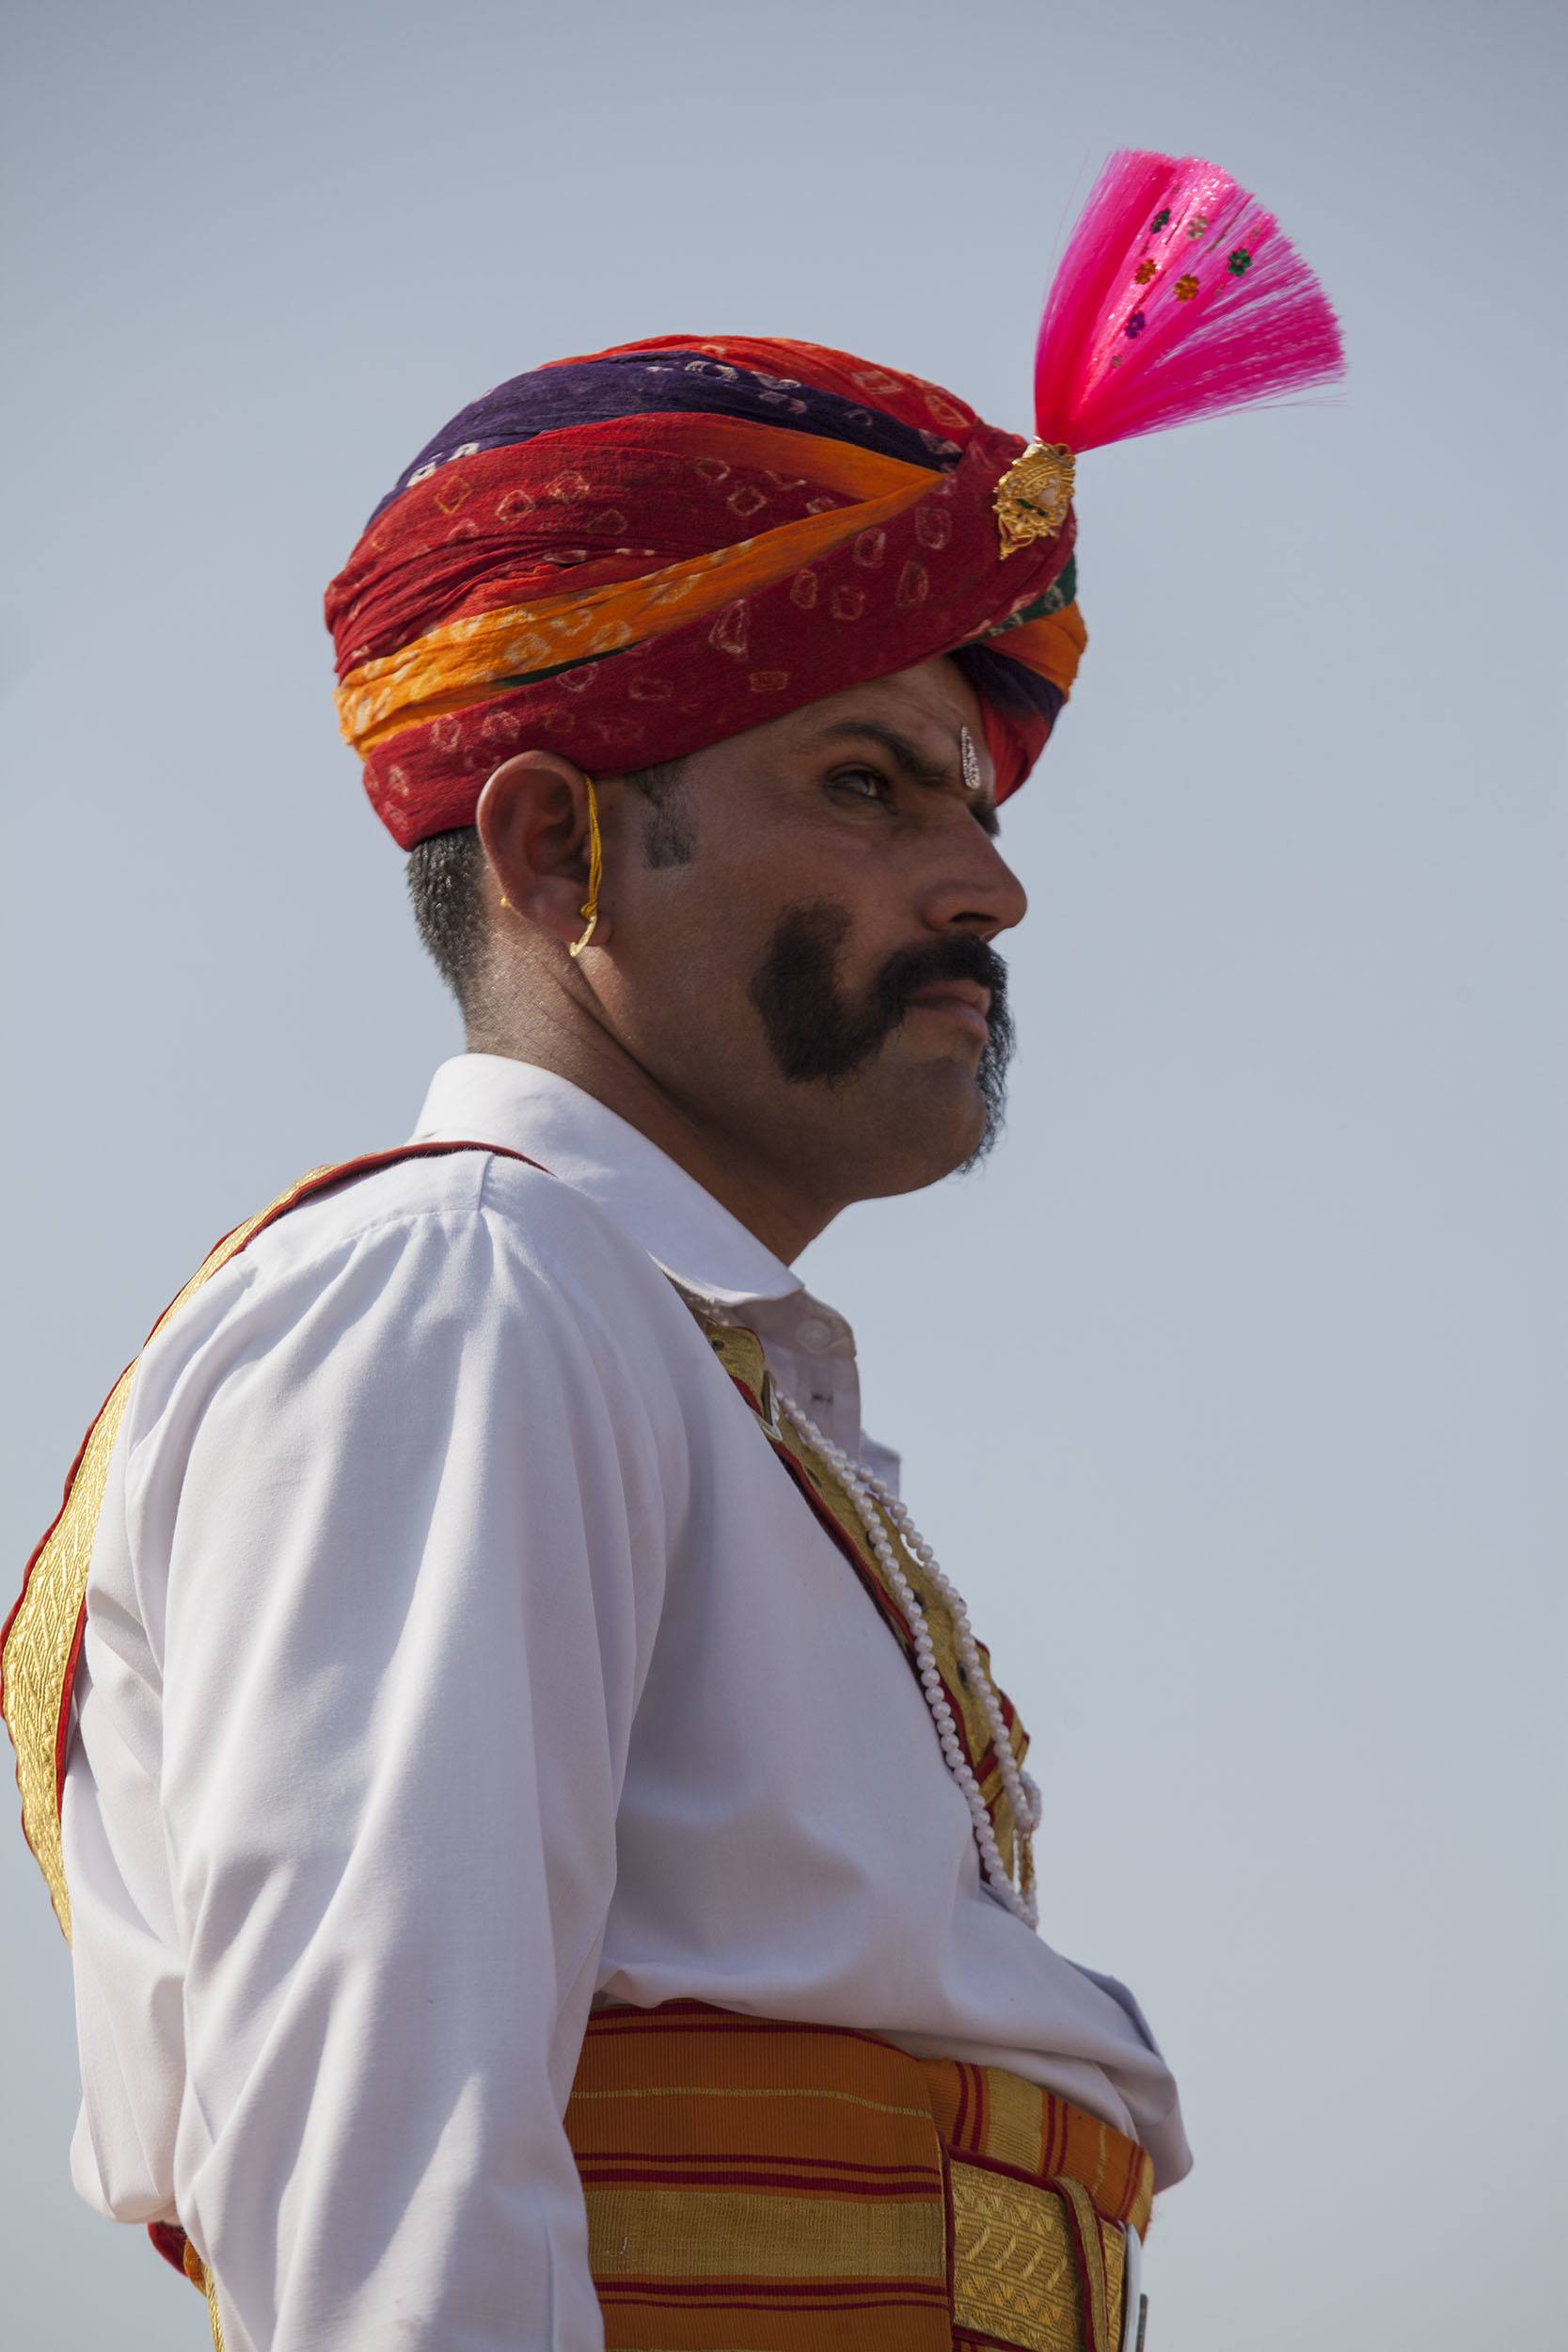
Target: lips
[(964, 1001)]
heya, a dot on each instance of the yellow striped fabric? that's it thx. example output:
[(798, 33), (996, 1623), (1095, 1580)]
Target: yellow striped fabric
[(759, 2187)]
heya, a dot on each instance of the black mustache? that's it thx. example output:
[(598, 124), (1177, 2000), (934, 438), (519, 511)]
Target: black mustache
[(818, 1033), (961, 958)]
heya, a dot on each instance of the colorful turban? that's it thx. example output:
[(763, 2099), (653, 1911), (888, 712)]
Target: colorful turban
[(629, 556)]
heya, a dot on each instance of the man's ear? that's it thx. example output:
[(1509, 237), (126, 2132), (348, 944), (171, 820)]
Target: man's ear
[(532, 821)]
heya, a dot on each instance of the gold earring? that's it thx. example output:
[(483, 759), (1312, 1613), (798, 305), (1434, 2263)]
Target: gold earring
[(505, 900), (590, 908)]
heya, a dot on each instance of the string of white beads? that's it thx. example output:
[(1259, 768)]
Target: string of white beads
[(865, 1490)]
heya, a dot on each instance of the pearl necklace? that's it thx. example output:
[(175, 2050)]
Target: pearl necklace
[(865, 1490)]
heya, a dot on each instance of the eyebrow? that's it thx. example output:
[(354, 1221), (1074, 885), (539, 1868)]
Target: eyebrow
[(935, 774)]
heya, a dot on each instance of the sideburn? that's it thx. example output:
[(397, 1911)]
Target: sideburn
[(670, 834)]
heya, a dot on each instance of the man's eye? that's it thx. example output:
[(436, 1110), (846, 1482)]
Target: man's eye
[(866, 784)]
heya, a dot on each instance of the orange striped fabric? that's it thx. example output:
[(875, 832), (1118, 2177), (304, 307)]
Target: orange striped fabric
[(758, 2187)]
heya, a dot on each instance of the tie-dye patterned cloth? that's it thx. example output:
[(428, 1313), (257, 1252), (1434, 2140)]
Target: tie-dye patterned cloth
[(630, 556)]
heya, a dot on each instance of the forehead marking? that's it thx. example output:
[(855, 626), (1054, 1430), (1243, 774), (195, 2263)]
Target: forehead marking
[(971, 762)]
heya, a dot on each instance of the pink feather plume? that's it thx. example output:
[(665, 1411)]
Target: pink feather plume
[(1177, 298)]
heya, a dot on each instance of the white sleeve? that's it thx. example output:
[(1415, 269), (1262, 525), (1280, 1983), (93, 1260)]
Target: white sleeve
[(415, 1512)]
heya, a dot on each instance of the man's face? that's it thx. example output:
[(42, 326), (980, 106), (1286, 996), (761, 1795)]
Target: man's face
[(814, 979)]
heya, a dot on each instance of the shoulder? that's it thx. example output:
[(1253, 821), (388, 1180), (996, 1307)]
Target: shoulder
[(470, 1213), (436, 1209), (387, 1260)]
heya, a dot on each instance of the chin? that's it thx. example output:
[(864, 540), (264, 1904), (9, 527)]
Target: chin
[(939, 1124)]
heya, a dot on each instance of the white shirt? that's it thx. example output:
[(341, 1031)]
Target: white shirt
[(457, 1653)]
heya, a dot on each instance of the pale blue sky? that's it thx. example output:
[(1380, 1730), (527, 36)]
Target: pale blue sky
[(1231, 1391)]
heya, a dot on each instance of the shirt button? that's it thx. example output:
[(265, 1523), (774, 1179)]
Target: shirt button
[(814, 1334)]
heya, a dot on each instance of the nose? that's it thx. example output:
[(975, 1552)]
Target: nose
[(973, 888)]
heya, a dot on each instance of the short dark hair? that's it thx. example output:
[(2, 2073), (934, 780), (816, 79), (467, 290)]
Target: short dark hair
[(443, 884), (445, 874)]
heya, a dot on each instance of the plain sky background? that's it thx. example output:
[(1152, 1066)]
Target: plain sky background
[(1230, 1391)]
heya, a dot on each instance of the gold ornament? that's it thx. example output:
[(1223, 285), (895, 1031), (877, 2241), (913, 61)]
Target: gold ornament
[(589, 909), (1034, 495)]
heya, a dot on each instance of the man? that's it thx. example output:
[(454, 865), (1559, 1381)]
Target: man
[(549, 1861)]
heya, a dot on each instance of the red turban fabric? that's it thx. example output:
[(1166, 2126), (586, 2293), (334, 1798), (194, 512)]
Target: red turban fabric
[(627, 557)]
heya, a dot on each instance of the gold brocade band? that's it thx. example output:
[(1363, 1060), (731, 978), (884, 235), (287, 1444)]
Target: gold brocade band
[(798, 2188), (38, 1648)]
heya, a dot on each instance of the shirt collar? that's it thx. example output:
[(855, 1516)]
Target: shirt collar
[(494, 1099), (491, 1097)]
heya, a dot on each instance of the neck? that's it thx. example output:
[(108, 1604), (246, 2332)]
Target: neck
[(754, 1190)]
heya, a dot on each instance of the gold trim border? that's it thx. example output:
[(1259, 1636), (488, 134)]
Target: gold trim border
[(41, 1640)]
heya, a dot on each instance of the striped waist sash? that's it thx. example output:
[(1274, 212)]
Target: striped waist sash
[(753, 2187)]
